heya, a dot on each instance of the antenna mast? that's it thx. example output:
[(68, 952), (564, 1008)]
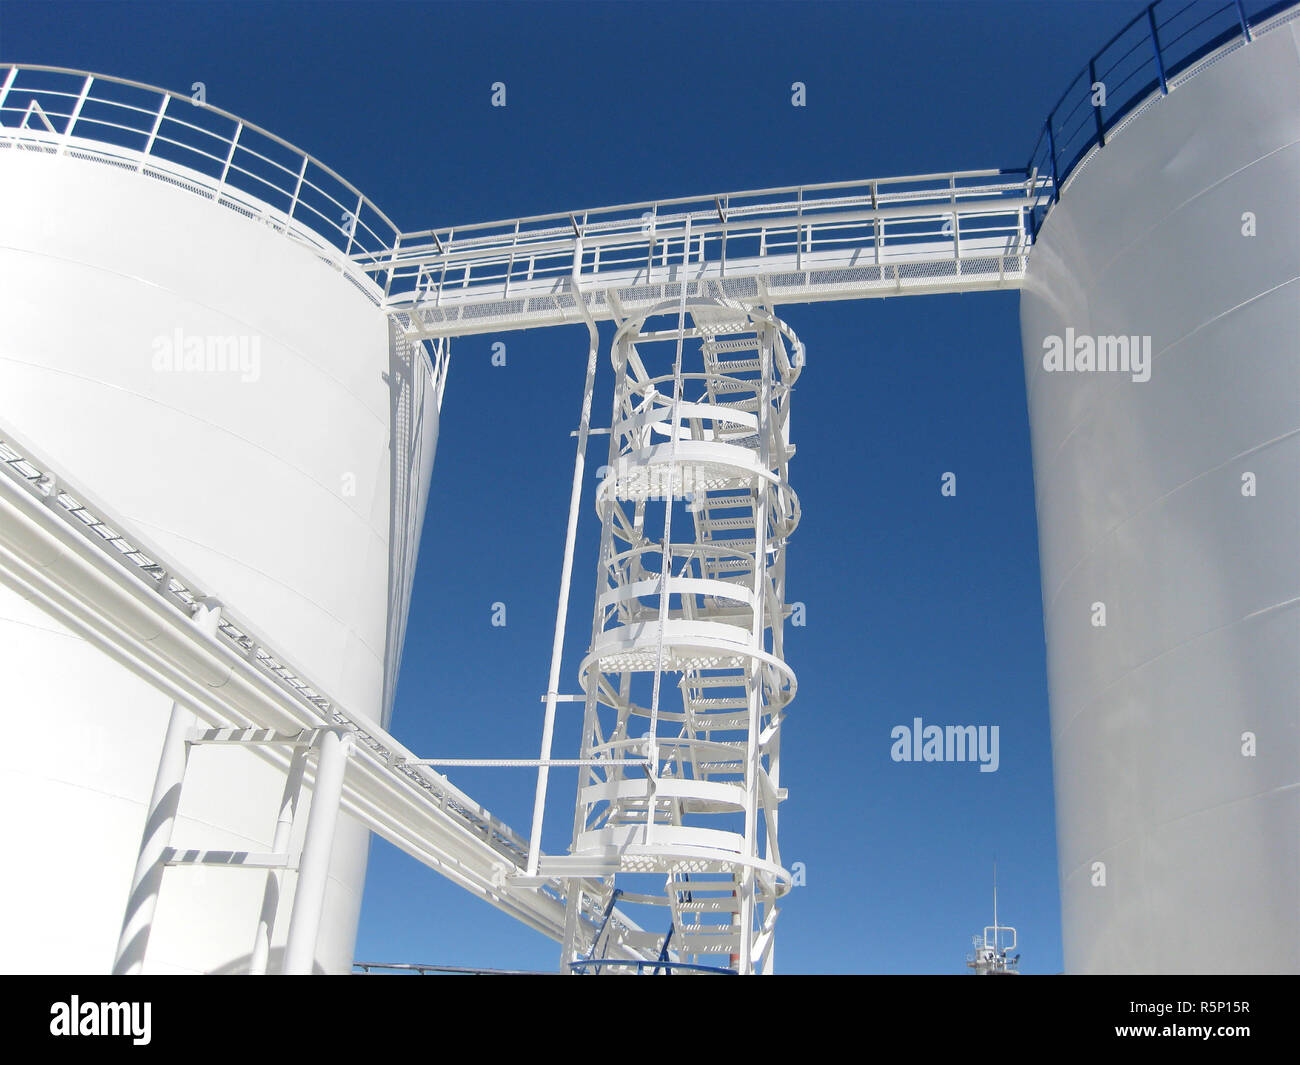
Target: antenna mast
[(989, 957)]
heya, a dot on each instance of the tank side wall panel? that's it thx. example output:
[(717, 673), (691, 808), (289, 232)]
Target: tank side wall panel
[(259, 461), (1140, 499)]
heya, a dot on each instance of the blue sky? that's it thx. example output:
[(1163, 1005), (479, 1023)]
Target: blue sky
[(917, 605)]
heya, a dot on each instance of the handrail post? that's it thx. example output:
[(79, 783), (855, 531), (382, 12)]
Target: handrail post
[(297, 189), (318, 844), (956, 223), (1096, 109), (157, 125), (352, 229), (230, 155), (76, 110), (4, 89), (1051, 151), (1245, 25), (1155, 47), (798, 234)]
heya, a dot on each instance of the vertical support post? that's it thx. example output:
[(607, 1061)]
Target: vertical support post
[(1155, 47), (574, 891), (146, 880), (153, 132), (356, 221), (566, 572), (1096, 109), (297, 191), (230, 155), (4, 89), (76, 112), (773, 820), (798, 232), (313, 867), (722, 250), (1051, 150), (663, 951), (1245, 25), (137, 924), (666, 553), (752, 757), (573, 901), (279, 844), (956, 224)]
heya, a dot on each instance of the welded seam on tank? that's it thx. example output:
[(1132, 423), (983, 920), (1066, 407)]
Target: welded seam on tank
[(1272, 608), (297, 594), (1141, 835), (1109, 533), (1141, 235), (1056, 453), (381, 420)]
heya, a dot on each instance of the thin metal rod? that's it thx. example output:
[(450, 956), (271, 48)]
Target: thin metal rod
[(4, 89), (566, 574), (76, 111), (1096, 108), (1245, 24), (576, 891), (1155, 46), (768, 339), (230, 155), (1051, 150), (665, 568)]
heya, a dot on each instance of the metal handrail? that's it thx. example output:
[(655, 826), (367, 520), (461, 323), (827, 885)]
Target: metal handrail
[(732, 234), (118, 119), (63, 109), (1141, 61)]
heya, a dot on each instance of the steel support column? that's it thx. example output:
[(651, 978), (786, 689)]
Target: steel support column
[(313, 868)]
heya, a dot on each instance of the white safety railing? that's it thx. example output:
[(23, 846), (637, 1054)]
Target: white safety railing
[(845, 240), (958, 231), (192, 143)]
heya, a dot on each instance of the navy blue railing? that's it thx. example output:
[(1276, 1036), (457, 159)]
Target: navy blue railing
[(1155, 45)]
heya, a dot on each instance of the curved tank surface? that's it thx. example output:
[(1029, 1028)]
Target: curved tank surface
[(1169, 518), (231, 390)]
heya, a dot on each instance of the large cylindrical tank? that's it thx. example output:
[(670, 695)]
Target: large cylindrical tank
[(258, 460), (1174, 504)]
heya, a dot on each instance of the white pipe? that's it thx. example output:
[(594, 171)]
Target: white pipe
[(313, 868)]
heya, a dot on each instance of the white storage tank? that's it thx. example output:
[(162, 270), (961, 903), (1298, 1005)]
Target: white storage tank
[(183, 333), (1169, 519)]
